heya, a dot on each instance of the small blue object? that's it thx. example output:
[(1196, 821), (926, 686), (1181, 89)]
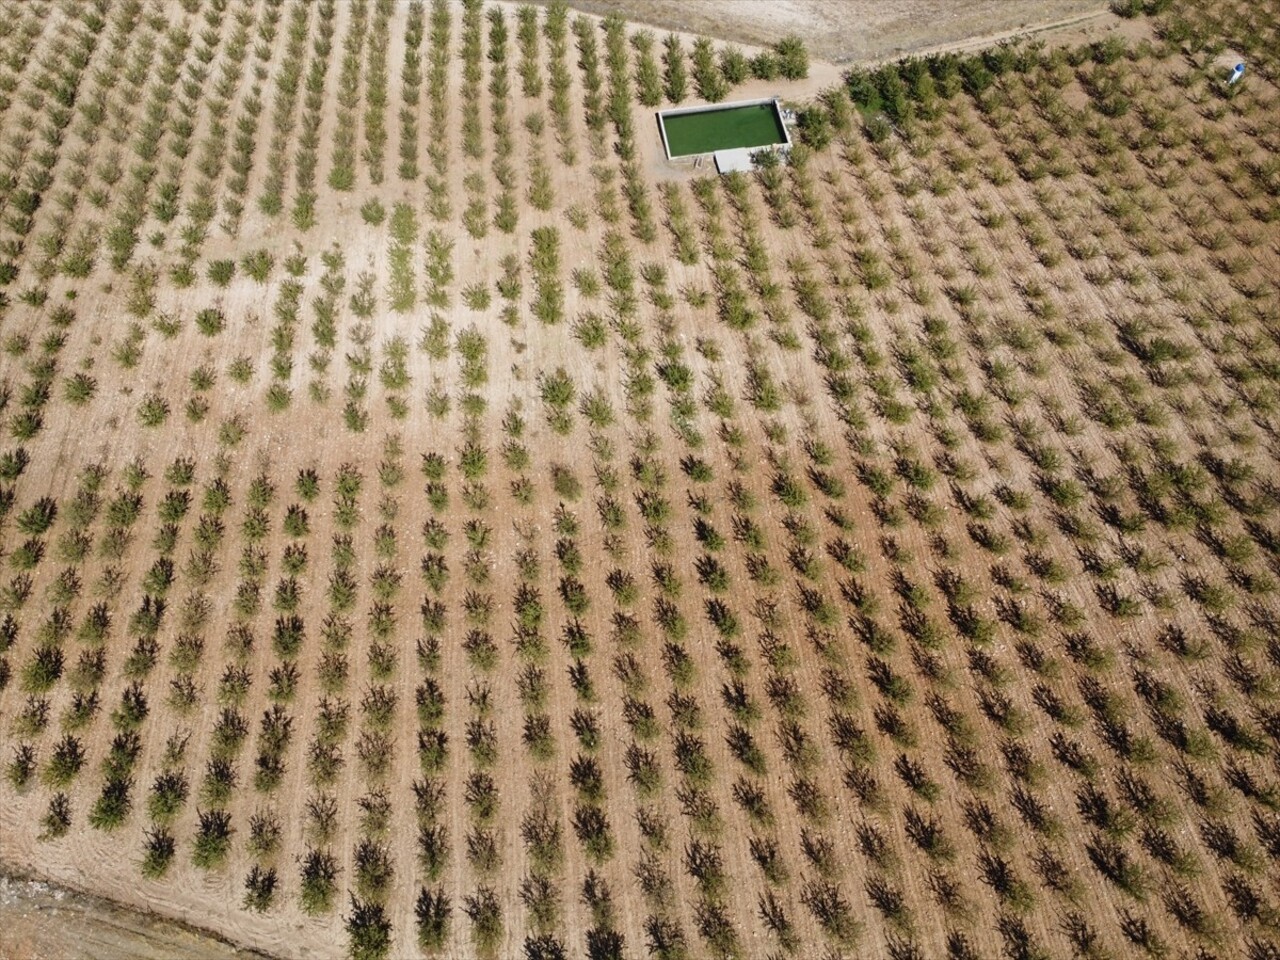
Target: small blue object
[(1236, 74)]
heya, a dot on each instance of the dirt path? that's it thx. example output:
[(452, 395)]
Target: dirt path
[(39, 921), (1070, 31), (847, 31)]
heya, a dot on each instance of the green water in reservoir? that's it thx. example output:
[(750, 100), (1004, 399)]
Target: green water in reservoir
[(755, 125)]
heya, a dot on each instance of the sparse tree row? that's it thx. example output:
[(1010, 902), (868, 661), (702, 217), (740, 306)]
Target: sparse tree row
[(249, 120), (214, 146), (559, 79), (342, 174), (362, 303), (270, 199), (373, 865), (307, 160), (17, 46), (403, 292), (266, 36), (438, 131), (285, 310), (530, 67), (639, 203), (411, 91), (475, 216), (505, 216), (326, 309), (585, 33), (375, 122)]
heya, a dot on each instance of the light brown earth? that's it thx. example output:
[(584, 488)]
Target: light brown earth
[(39, 921), (940, 226), (853, 30)]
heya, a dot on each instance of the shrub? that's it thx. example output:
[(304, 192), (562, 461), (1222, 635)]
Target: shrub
[(153, 411), (213, 839), (477, 296), (308, 484), (258, 264), (279, 397), (296, 522), (57, 820), (38, 517), (373, 870), (432, 911), (210, 321), (221, 272), (168, 795), (25, 424), (877, 128), (26, 556), (373, 212), (259, 888), (484, 910), (158, 850), (319, 882), (816, 128), (22, 766), (368, 931), (558, 393), (44, 670), (793, 58), (765, 65), (12, 463), (706, 73), (65, 763), (113, 803), (734, 66), (240, 370)]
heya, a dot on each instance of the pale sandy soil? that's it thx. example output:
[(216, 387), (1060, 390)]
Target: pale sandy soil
[(39, 921), (849, 30), (309, 436)]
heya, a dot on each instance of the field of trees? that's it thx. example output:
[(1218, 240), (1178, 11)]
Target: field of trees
[(431, 526)]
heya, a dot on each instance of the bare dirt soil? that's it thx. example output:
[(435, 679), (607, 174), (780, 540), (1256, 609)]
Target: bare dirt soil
[(39, 921), (956, 439), (851, 30)]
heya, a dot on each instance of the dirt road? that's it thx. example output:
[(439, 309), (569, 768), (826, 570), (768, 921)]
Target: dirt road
[(39, 921), (844, 31)]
